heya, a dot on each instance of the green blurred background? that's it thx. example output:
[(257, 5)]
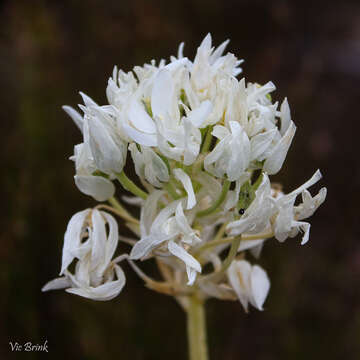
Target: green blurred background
[(49, 50)]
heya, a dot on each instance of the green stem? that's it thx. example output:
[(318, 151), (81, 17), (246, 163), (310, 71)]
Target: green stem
[(227, 262), (207, 141), (226, 240), (130, 186), (231, 255), (218, 202), (196, 328), (120, 210), (172, 191)]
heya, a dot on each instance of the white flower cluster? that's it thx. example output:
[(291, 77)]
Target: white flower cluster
[(203, 145)]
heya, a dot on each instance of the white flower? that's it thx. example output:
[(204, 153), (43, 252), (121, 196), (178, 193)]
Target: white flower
[(168, 233), (287, 219), (257, 216), (209, 62), (250, 283), (99, 187), (275, 159), (231, 155), (107, 146), (96, 276), (149, 165), (120, 88), (156, 95), (179, 137)]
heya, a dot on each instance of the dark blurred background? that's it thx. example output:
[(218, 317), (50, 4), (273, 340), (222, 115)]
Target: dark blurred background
[(49, 50)]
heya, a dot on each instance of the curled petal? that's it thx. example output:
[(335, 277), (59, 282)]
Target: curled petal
[(72, 238), (104, 292)]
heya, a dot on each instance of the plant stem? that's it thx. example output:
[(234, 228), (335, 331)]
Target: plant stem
[(130, 186), (196, 328), (172, 191), (227, 240)]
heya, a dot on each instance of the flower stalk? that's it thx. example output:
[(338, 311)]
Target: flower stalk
[(130, 186), (210, 210), (196, 329)]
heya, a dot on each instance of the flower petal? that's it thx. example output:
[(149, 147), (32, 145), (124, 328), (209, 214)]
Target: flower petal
[(99, 238), (139, 118), (140, 137), (104, 292), (188, 259), (98, 187), (77, 118), (260, 143), (285, 116), (162, 96), (276, 159), (239, 274), (199, 115), (260, 285), (56, 284), (72, 237)]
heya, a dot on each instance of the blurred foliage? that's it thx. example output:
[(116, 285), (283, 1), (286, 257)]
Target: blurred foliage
[(49, 50)]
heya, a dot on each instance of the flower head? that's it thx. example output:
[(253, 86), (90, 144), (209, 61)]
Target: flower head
[(204, 145)]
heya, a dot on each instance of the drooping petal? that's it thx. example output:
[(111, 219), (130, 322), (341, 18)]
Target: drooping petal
[(187, 184), (188, 259)]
